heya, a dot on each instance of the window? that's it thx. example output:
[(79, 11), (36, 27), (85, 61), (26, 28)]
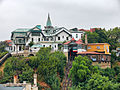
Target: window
[(43, 45), (38, 39), (55, 46), (35, 34), (50, 45), (89, 47), (62, 36), (98, 47), (20, 41), (66, 38), (47, 39), (58, 38), (32, 40), (34, 47), (81, 35), (76, 35)]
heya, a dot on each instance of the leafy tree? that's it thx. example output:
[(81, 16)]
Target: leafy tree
[(17, 66), (109, 72), (80, 70), (117, 70), (91, 37), (62, 62), (99, 82)]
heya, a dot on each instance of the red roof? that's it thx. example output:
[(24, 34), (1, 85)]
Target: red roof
[(89, 53), (67, 42), (79, 42), (8, 41), (72, 39)]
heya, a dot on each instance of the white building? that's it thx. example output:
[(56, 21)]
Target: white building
[(49, 37)]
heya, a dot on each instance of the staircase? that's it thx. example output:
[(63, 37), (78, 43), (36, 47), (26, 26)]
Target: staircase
[(67, 82)]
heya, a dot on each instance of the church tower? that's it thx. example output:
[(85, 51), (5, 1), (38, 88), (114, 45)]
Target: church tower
[(48, 21), (48, 28)]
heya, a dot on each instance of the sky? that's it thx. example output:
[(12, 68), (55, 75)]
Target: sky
[(82, 14)]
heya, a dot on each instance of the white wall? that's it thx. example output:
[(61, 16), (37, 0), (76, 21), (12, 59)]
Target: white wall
[(53, 45), (63, 36), (79, 35)]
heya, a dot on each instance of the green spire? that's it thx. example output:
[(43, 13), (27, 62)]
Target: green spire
[(48, 21)]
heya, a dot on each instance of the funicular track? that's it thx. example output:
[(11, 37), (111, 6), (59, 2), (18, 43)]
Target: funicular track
[(67, 82)]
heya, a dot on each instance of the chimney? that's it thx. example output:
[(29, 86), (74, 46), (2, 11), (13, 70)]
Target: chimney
[(15, 79), (86, 41), (35, 79)]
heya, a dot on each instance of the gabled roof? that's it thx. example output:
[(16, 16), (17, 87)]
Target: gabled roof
[(77, 42), (36, 29)]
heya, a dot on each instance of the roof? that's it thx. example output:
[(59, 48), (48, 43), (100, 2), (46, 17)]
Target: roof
[(77, 42), (2, 87), (89, 53), (48, 21), (22, 30), (67, 43), (8, 41), (37, 45), (72, 39)]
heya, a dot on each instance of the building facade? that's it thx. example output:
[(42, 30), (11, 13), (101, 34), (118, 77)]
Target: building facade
[(48, 37)]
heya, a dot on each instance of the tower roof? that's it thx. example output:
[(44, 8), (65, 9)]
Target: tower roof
[(48, 21)]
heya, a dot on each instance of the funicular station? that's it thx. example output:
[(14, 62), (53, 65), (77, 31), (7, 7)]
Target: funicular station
[(97, 52)]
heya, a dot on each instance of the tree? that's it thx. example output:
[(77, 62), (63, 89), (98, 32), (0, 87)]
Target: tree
[(99, 82), (91, 37), (80, 70), (17, 66)]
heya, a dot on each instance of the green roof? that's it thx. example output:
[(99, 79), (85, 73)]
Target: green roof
[(22, 30), (48, 21), (37, 45)]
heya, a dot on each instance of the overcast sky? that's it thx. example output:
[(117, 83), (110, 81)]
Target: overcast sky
[(67, 13)]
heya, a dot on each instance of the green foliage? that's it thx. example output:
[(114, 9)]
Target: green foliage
[(117, 70), (31, 43), (43, 53), (80, 70), (49, 66), (3, 44), (53, 81), (92, 37), (99, 82), (17, 66), (109, 73), (2, 54)]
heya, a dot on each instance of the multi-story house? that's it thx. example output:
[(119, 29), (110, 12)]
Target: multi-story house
[(48, 37)]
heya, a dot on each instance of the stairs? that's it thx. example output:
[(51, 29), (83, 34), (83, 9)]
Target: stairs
[(67, 82)]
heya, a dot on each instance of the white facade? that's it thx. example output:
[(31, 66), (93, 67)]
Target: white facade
[(77, 35), (48, 37)]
